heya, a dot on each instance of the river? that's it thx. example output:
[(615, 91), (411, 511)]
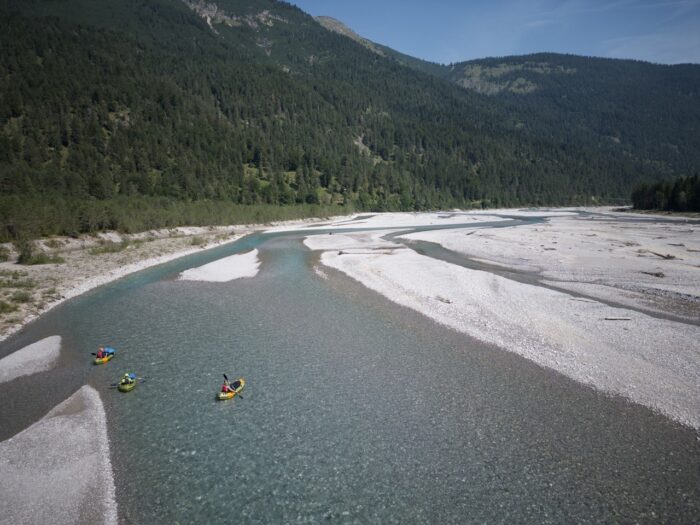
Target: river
[(355, 409)]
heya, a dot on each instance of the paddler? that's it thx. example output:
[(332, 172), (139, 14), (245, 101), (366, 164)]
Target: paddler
[(101, 352), (226, 387)]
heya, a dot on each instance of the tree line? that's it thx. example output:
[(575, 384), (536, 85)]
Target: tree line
[(683, 194)]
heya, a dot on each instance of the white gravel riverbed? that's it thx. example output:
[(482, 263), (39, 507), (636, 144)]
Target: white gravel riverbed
[(652, 361), (225, 269), (58, 470), (34, 358)]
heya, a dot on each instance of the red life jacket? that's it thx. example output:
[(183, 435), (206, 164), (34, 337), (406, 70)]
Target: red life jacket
[(224, 388)]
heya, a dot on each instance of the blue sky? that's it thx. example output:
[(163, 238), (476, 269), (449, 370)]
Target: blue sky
[(662, 31)]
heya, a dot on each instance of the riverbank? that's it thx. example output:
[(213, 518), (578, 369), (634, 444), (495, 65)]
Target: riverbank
[(59, 470), (606, 326), (491, 430), (663, 213), (69, 446), (89, 261), (644, 262)]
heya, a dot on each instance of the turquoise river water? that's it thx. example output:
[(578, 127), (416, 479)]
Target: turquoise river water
[(355, 411)]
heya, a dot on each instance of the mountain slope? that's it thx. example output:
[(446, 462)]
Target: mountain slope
[(636, 108), (337, 26), (424, 66), (633, 107), (177, 111)]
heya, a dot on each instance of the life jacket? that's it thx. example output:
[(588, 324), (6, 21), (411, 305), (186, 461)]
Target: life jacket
[(225, 388), (100, 354)]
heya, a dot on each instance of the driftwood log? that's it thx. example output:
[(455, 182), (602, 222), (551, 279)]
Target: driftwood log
[(655, 274), (668, 256)]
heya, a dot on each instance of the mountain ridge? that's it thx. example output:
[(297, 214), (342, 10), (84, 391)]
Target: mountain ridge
[(542, 83), (189, 106)]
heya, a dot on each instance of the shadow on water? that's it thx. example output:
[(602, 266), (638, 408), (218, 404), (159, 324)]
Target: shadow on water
[(355, 410)]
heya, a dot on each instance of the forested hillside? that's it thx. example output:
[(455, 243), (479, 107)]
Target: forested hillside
[(680, 195), (630, 108), (138, 114)]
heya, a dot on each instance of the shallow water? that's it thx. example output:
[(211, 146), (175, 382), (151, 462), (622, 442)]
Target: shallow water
[(355, 409)]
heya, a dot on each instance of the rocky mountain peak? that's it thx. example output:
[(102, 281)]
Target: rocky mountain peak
[(213, 14)]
